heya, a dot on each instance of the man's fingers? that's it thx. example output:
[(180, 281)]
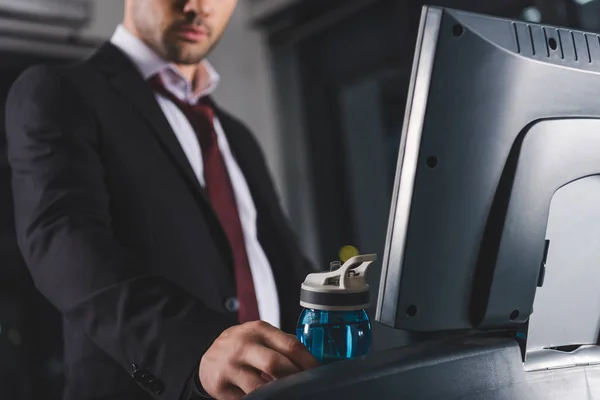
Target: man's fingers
[(231, 393), (246, 357), (248, 380), (268, 361), (267, 377), (290, 347)]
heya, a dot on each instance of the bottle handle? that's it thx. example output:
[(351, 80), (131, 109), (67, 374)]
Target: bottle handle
[(364, 260)]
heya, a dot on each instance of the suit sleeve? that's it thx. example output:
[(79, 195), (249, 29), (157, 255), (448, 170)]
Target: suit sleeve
[(151, 327)]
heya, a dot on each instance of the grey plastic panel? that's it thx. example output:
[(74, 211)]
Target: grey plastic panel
[(487, 87), (467, 368), (566, 307), (548, 156)]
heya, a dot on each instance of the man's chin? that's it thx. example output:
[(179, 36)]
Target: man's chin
[(187, 55)]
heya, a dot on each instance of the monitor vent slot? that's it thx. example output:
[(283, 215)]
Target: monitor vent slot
[(516, 31), (574, 45), (526, 40), (587, 46), (556, 44), (531, 39)]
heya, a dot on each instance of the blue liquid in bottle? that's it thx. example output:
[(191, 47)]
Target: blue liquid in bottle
[(335, 335)]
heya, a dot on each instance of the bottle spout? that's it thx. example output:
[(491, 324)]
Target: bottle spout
[(335, 265)]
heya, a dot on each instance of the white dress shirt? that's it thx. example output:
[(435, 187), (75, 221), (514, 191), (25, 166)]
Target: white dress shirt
[(149, 64)]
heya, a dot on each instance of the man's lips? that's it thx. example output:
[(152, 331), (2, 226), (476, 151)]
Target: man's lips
[(192, 33)]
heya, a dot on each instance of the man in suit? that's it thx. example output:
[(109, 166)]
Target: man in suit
[(147, 216)]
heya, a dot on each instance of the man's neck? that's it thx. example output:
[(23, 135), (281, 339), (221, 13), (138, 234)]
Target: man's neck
[(189, 72), (196, 74)]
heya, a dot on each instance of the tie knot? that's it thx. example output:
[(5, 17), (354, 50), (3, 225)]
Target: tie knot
[(203, 105), (200, 115)]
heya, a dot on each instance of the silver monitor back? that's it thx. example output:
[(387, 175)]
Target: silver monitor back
[(501, 115)]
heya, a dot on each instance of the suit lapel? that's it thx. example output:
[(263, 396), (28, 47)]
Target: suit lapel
[(125, 78)]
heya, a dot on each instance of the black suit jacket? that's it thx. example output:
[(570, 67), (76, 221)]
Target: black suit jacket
[(119, 235)]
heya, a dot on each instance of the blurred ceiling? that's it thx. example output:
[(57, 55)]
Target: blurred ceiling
[(69, 13), (42, 28)]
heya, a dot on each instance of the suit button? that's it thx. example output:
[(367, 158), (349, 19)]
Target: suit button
[(139, 375), (146, 378), (156, 386), (232, 304), (143, 376)]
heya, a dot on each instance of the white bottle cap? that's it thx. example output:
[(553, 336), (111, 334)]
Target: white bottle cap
[(344, 289)]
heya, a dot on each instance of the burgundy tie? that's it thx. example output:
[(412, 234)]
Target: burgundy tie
[(222, 196)]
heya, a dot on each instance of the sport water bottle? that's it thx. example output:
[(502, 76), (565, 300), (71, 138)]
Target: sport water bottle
[(334, 324)]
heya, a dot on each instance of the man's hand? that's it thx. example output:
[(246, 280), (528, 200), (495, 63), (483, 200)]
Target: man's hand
[(245, 357)]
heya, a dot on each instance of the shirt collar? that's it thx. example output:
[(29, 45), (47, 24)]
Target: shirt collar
[(149, 64)]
